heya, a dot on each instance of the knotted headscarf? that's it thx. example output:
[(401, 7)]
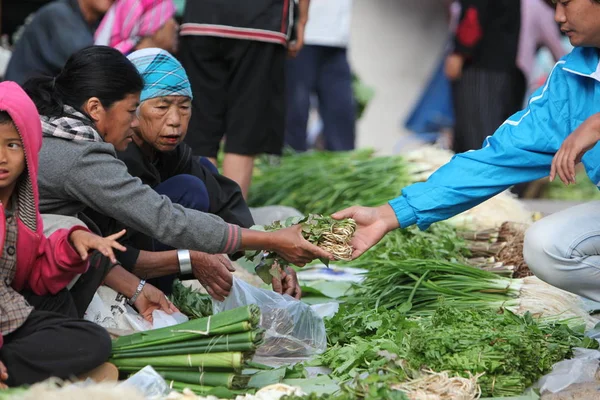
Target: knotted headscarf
[(128, 21), (163, 75)]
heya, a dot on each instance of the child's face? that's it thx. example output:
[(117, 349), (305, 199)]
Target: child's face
[(12, 156)]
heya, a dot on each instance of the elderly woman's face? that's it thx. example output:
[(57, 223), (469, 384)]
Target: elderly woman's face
[(163, 121)]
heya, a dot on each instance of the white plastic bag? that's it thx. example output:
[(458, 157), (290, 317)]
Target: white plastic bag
[(293, 329), (149, 383), (580, 369), (111, 310)]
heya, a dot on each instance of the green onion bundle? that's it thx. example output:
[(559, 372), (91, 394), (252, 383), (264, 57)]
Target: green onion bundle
[(417, 286), (326, 182), (201, 354)]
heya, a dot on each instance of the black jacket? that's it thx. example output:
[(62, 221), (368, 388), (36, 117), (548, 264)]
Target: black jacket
[(225, 195), (488, 33)]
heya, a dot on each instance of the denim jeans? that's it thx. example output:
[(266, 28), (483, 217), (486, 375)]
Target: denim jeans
[(325, 72), (189, 192), (563, 249)]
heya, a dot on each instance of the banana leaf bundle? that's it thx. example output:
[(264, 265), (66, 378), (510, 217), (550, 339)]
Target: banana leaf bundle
[(243, 341), (242, 319), (203, 354)]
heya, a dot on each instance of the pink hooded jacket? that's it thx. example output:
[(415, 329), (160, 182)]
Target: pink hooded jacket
[(44, 265)]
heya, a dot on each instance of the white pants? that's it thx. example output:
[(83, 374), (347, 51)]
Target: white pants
[(563, 250)]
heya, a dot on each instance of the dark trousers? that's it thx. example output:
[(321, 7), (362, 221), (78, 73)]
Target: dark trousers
[(323, 71), (483, 99), (189, 192), (53, 342)]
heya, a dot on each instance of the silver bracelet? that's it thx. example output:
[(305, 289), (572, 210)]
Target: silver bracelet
[(185, 262), (137, 292)]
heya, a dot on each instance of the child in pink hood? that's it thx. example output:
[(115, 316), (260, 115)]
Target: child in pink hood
[(41, 334)]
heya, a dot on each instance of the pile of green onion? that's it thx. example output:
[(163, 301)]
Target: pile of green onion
[(326, 182)]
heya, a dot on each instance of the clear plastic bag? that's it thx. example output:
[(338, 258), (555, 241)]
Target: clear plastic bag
[(582, 368), (293, 329), (149, 383)]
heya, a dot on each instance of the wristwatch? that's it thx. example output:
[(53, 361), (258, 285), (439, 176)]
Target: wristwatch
[(185, 262), (137, 292)]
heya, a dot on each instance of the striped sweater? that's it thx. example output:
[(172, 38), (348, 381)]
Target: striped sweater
[(261, 20)]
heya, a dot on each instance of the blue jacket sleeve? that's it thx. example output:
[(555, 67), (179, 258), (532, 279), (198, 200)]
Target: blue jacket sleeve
[(521, 150)]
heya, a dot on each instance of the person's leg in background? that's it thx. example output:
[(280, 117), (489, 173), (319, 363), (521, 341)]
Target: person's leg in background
[(53, 342), (336, 99), (301, 82), (481, 100), (208, 72), (256, 107), (563, 249), (189, 192)]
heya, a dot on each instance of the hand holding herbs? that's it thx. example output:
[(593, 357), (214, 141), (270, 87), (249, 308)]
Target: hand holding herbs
[(373, 224), (331, 237)]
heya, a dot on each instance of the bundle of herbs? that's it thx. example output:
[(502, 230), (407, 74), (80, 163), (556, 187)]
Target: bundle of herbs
[(191, 302), (331, 235), (202, 354), (325, 182)]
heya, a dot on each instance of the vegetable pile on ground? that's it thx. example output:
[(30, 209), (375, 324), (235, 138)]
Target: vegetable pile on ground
[(506, 352), (205, 355), (322, 182)]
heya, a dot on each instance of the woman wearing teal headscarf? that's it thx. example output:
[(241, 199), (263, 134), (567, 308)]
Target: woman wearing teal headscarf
[(161, 160)]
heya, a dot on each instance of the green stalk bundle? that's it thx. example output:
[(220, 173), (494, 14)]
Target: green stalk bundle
[(218, 348), (233, 360), (241, 319), (228, 380), (205, 390), (417, 286), (243, 341)]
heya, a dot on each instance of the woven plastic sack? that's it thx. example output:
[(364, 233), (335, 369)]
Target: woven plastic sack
[(292, 328)]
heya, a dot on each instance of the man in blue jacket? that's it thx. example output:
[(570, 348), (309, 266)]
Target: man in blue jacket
[(563, 249)]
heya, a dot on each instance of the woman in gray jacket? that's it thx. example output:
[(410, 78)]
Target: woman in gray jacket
[(88, 112)]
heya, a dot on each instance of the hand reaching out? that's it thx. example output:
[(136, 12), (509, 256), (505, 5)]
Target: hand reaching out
[(151, 299), (372, 224), (84, 241), (3, 376), (289, 244)]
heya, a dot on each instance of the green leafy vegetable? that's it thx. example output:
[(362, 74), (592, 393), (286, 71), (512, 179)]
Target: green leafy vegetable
[(190, 302)]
